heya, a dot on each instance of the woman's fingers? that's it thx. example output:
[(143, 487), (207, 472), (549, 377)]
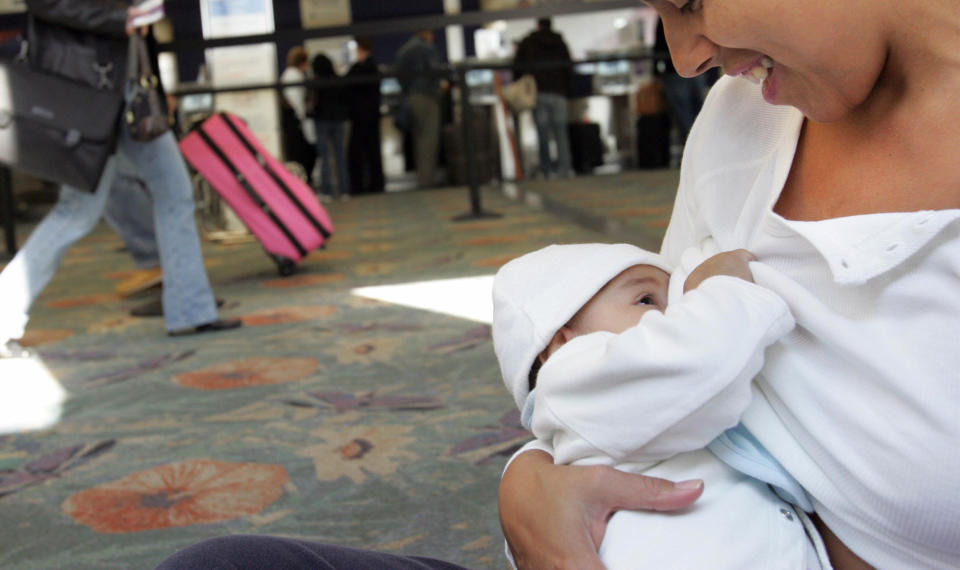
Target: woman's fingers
[(555, 516)]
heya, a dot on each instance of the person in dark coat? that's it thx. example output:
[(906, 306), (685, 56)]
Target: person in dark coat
[(544, 45), (327, 105), (417, 66), (363, 153)]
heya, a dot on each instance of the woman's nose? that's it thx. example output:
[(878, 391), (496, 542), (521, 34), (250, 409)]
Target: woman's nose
[(692, 53)]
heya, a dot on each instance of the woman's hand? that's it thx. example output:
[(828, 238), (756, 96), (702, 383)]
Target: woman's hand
[(554, 516)]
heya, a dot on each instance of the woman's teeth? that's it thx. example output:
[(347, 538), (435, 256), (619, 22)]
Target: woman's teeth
[(760, 70)]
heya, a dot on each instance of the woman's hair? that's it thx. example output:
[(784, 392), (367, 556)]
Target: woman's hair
[(296, 57), (322, 66)]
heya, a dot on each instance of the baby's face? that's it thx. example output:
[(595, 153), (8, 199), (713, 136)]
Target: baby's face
[(620, 304)]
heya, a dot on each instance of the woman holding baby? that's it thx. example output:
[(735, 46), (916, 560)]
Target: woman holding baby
[(830, 152), (837, 166)]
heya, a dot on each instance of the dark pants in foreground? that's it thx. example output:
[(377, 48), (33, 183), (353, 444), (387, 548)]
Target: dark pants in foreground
[(256, 552)]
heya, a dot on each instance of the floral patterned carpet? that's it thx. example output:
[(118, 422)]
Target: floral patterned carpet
[(333, 415)]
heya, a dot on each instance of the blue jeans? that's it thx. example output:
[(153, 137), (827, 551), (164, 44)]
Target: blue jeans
[(130, 213), (331, 137), (550, 117), (187, 298)]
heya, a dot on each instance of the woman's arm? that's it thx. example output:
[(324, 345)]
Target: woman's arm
[(554, 516)]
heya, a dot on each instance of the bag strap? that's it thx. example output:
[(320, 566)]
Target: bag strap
[(276, 178), (257, 199), (133, 61)]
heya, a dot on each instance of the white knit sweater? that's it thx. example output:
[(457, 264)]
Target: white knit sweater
[(861, 403)]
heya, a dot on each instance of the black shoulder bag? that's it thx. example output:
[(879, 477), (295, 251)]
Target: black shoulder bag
[(55, 128)]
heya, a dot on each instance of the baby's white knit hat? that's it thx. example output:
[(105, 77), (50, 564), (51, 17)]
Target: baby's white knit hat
[(536, 294)]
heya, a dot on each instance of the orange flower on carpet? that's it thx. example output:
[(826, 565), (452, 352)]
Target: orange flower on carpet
[(375, 268), (284, 315), (352, 350), (494, 261), (114, 323), (196, 491), (495, 240), (359, 452), (36, 337), (248, 372), (83, 301), (330, 254), (376, 247), (304, 280)]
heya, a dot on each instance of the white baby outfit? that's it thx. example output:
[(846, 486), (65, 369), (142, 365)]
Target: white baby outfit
[(649, 400)]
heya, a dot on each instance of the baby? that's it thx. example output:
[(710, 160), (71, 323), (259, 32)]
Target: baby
[(606, 373)]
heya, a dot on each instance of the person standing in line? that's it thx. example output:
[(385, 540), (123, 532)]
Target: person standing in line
[(545, 46), (417, 67), (87, 41), (363, 151), (299, 139), (327, 106)]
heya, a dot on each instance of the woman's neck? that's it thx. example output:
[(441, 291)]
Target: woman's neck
[(895, 152)]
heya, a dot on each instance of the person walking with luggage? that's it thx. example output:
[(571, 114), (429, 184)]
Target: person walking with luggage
[(327, 105), (363, 151), (86, 41), (417, 67), (545, 46)]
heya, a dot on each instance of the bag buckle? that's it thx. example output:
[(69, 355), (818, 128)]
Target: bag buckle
[(103, 71), (73, 138)]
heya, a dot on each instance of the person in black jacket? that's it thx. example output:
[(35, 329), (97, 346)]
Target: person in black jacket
[(545, 46), (327, 105), (363, 153), (417, 68), (86, 41)]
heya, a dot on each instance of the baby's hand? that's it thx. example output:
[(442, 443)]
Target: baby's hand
[(732, 263)]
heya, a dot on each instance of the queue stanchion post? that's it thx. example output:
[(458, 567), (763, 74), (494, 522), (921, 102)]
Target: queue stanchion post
[(470, 159)]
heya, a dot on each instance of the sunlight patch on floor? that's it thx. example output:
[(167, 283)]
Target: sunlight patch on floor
[(466, 297), (30, 397)]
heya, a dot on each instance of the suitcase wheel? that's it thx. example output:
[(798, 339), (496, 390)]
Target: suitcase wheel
[(285, 267)]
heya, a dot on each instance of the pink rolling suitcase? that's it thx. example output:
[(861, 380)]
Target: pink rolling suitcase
[(280, 209)]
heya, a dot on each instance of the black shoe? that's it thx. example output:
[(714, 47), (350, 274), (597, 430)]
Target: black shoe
[(155, 308), (13, 349), (213, 326)]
